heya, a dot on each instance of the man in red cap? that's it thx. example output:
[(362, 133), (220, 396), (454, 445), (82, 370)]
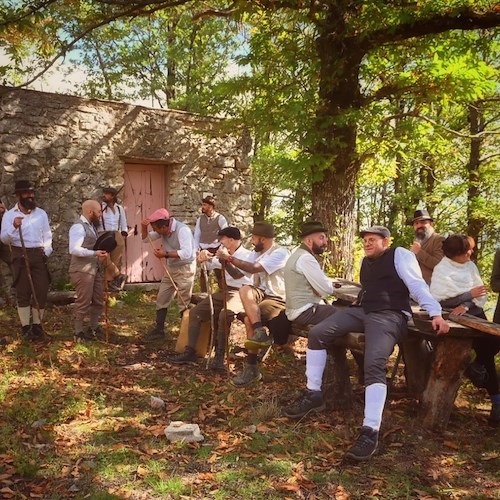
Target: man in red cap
[(178, 251)]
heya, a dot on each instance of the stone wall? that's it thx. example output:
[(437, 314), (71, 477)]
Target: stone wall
[(71, 147)]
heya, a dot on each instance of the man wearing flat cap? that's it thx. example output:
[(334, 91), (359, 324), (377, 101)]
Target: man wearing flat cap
[(265, 299), (388, 276), (114, 219), (230, 240), (27, 225), (206, 232), (179, 253), (428, 245), (86, 271)]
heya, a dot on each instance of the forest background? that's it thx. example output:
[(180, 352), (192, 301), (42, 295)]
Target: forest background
[(361, 111)]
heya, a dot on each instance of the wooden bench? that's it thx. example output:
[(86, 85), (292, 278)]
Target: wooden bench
[(434, 364)]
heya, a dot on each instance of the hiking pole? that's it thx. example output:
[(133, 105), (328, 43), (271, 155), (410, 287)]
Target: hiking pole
[(208, 281), (169, 275), (30, 279)]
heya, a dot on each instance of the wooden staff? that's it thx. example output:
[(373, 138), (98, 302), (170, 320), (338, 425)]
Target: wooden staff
[(208, 281), (224, 302)]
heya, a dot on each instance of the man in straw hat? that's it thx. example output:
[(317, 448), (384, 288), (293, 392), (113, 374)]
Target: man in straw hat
[(179, 253), (25, 227), (428, 245), (388, 277)]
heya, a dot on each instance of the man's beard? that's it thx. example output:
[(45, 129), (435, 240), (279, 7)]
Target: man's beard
[(318, 249), (94, 220), (258, 247), (422, 234), (28, 203)]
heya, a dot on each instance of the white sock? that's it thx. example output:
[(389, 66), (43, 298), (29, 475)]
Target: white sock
[(24, 315), (36, 317), (315, 366), (375, 395)]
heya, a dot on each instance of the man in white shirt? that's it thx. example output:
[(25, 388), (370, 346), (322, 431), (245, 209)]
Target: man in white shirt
[(230, 239), (178, 251), (29, 222), (86, 271), (114, 219), (265, 299), (388, 277)]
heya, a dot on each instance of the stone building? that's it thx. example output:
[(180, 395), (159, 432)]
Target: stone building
[(71, 147)]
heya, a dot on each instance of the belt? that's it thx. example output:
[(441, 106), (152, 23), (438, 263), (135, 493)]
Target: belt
[(30, 249)]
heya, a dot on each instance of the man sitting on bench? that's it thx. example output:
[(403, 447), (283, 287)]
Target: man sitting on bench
[(388, 277)]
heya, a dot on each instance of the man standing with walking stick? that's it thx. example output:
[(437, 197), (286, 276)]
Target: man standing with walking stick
[(30, 250), (179, 253)]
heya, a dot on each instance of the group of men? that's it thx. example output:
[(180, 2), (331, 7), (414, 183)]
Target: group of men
[(26, 239)]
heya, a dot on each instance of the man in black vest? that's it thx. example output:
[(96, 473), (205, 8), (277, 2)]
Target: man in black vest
[(388, 277)]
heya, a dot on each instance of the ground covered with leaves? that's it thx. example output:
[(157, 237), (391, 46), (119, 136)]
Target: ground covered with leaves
[(77, 422)]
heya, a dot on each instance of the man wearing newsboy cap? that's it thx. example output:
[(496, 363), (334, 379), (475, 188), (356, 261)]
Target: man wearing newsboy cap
[(388, 276), (428, 245)]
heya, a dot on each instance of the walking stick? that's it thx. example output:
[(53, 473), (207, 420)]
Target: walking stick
[(30, 279), (208, 281), (106, 304), (169, 275), (224, 302)]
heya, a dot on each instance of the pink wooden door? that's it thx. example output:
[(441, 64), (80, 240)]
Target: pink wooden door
[(144, 192)]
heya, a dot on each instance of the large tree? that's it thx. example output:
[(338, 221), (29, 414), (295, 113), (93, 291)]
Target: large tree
[(346, 32)]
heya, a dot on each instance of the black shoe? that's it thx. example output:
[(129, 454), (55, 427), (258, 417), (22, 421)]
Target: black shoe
[(365, 446), (477, 374), (113, 287), (26, 332), (217, 363), (96, 333), (81, 337), (259, 340), (37, 332), (188, 357), (155, 333), (119, 281), (494, 418), (312, 401)]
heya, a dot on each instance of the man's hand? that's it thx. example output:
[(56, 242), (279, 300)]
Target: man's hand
[(2, 208), (204, 256), (124, 234), (222, 253), (416, 247), (440, 326), (145, 223), (459, 310), (160, 253), (479, 291), (17, 222), (101, 254)]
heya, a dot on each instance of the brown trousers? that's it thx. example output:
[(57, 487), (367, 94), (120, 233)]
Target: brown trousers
[(89, 294)]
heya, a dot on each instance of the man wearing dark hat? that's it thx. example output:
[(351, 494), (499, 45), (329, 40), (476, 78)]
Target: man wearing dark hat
[(428, 245), (206, 232), (178, 251), (305, 281), (30, 222), (230, 240), (114, 219), (388, 277), (265, 299), (86, 271)]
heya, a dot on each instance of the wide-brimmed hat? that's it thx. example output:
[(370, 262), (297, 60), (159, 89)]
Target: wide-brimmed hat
[(422, 215), (106, 242), (209, 200), (230, 232), (380, 230), (311, 227), (23, 185), (160, 214), (264, 229)]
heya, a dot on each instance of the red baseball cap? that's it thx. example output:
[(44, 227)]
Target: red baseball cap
[(160, 214)]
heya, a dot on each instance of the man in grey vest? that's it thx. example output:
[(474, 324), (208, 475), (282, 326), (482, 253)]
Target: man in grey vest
[(206, 233), (86, 271), (178, 251), (388, 277)]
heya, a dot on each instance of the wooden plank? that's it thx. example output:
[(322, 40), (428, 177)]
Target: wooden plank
[(480, 324)]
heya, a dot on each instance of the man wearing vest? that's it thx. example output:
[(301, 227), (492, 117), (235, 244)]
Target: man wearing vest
[(230, 239), (114, 219), (265, 300), (31, 222), (206, 233), (388, 277), (179, 253), (86, 271), (428, 245)]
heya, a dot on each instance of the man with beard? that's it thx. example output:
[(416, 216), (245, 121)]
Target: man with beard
[(86, 271), (265, 300), (428, 245), (31, 222), (114, 219), (206, 233)]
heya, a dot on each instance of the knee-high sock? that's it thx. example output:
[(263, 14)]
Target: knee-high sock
[(24, 315), (37, 318), (375, 395), (315, 366)]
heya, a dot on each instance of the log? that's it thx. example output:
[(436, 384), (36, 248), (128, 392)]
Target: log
[(418, 357), (476, 323), (337, 389), (451, 358)]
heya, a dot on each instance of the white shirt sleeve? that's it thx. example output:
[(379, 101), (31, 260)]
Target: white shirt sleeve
[(310, 268), (186, 243), (7, 227), (153, 235), (76, 238), (274, 261), (197, 234), (408, 270), (222, 221), (124, 225), (46, 235)]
